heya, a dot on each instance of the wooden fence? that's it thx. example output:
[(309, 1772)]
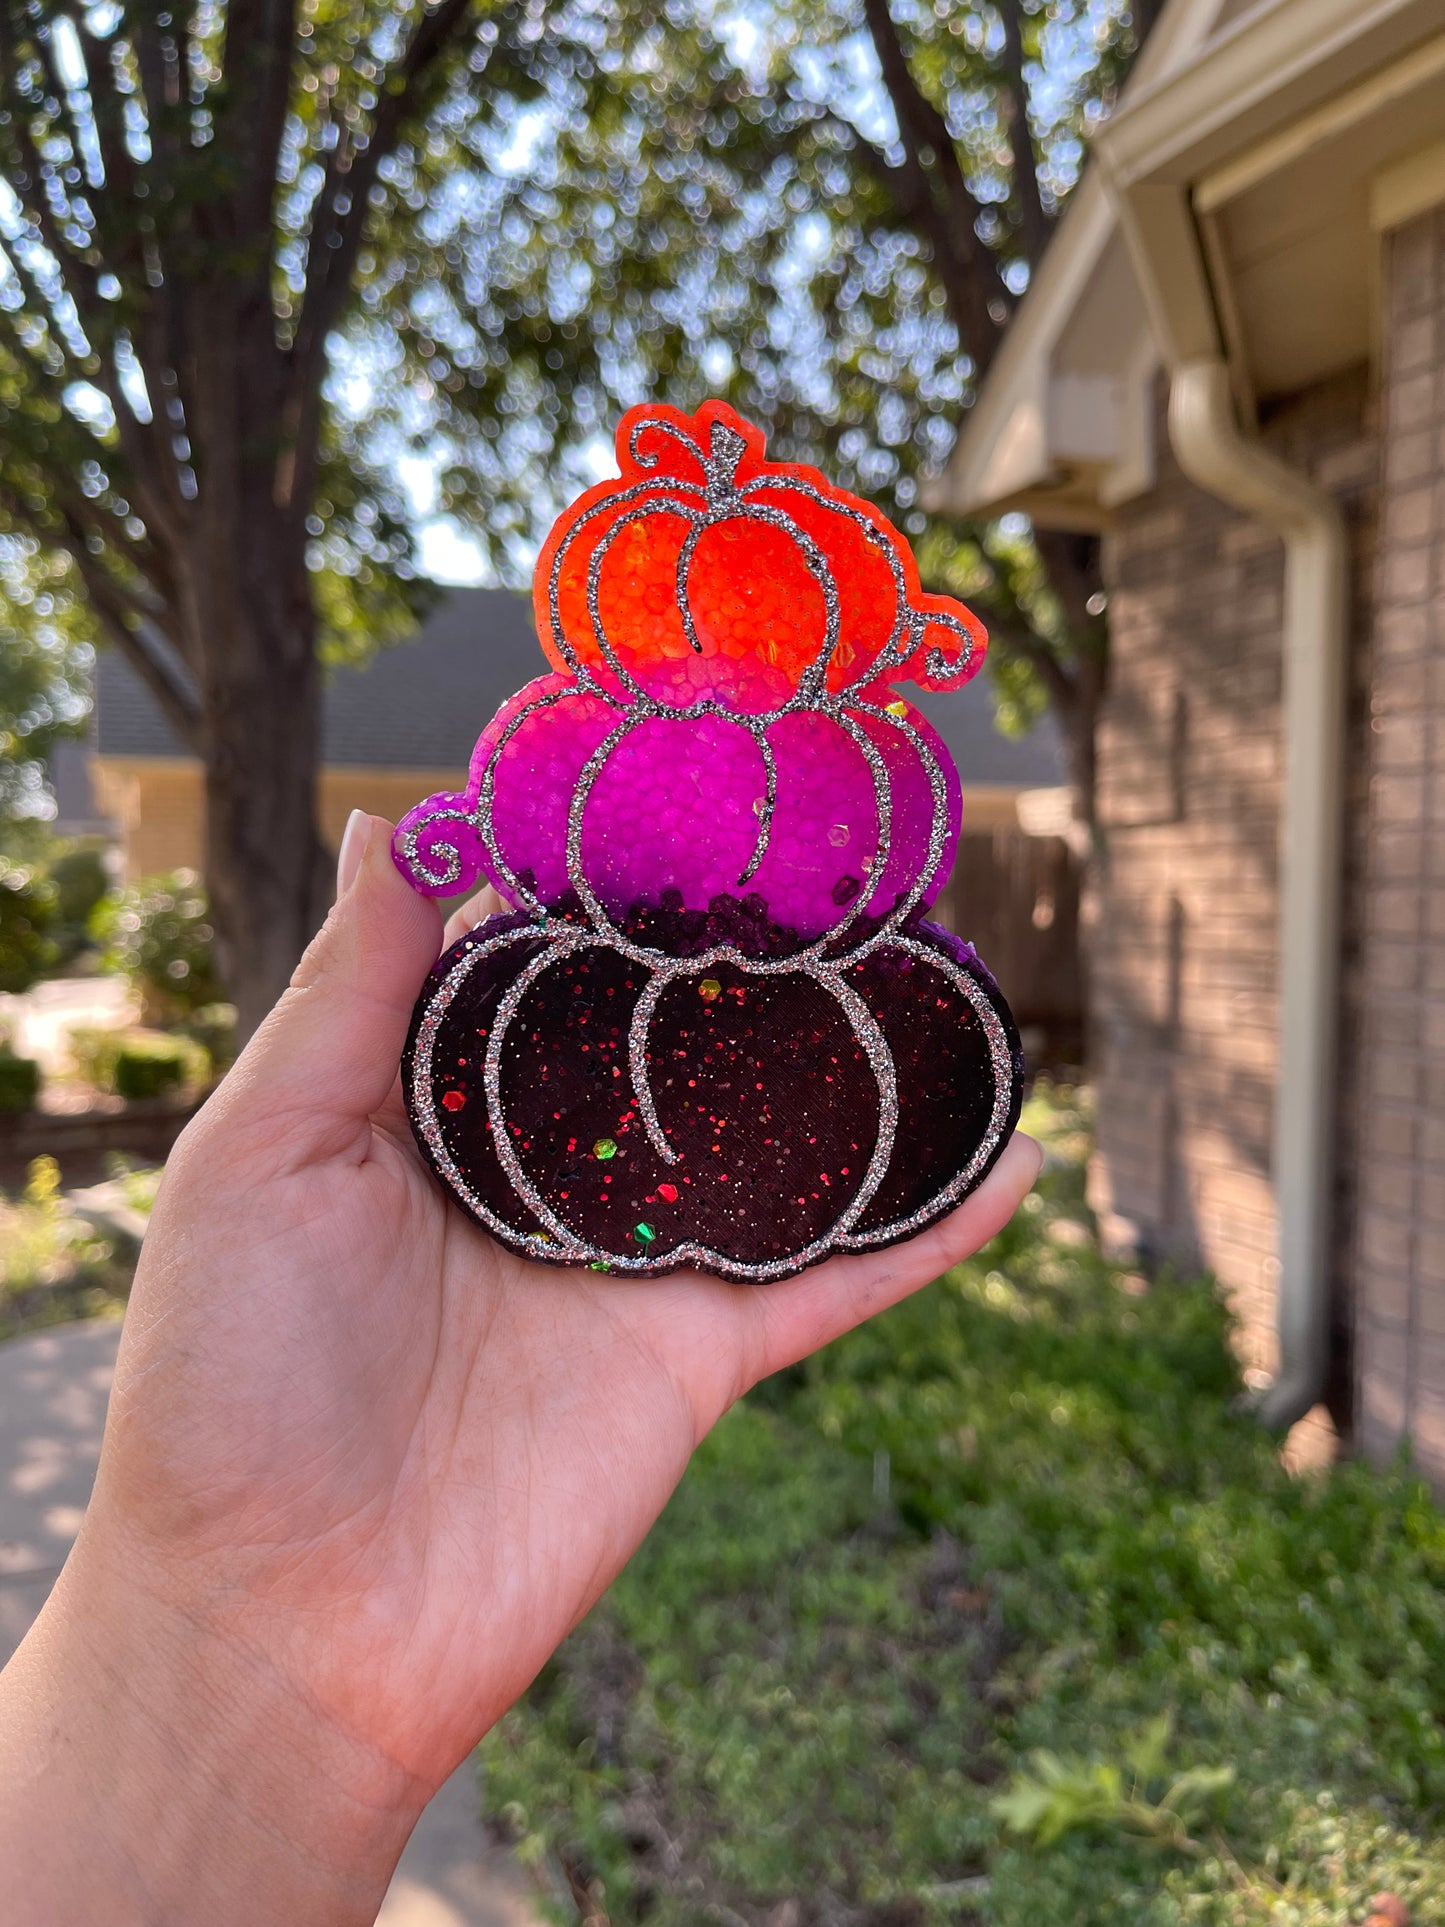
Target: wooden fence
[(1016, 899)]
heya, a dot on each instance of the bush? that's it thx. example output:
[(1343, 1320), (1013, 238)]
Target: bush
[(213, 1027), (92, 1051), (149, 1067), (19, 1081), (27, 915), (53, 1265), (158, 933), (136, 1063), (80, 881)]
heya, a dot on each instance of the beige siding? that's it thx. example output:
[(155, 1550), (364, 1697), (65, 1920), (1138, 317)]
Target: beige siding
[(156, 805)]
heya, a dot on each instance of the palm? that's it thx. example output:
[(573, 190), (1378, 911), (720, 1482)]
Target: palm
[(403, 1460)]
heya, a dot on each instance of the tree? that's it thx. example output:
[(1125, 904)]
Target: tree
[(828, 215), (252, 250), (187, 195)]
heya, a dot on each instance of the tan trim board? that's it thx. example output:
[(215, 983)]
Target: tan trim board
[(434, 776), (1381, 90), (1408, 187), (1281, 61)]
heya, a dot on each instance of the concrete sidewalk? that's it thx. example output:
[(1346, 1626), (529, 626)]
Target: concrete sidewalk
[(53, 1391)]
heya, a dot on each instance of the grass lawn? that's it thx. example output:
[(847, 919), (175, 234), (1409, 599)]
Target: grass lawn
[(1000, 1613)]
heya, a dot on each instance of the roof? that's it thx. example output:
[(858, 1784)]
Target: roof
[(421, 704), (1295, 132)]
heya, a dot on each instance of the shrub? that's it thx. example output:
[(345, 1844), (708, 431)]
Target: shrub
[(92, 1051), (159, 934), (149, 1066), (136, 1063), (27, 914), (213, 1027), (78, 876), (19, 1080), (53, 1265)]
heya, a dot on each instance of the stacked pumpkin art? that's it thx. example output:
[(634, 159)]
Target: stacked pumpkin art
[(716, 1028)]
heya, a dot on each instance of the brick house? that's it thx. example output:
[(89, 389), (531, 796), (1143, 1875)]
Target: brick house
[(1232, 365)]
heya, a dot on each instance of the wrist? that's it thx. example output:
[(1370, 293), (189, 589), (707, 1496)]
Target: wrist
[(155, 1770)]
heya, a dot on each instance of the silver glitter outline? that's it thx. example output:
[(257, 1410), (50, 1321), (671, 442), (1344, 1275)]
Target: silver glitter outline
[(721, 500), (559, 942), (908, 620), (423, 1097), (1001, 1058)]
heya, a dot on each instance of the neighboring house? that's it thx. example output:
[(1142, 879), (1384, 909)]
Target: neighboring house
[(1232, 363), (405, 725)]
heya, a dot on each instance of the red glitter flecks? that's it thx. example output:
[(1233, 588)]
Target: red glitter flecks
[(454, 1100), (668, 1191)]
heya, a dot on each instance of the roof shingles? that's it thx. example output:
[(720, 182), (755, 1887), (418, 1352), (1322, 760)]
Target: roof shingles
[(422, 704)]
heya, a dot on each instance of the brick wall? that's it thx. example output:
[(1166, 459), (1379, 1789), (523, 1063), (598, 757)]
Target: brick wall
[(1400, 1245), (1183, 916)]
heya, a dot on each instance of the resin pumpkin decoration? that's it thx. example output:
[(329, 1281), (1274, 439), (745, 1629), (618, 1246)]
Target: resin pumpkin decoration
[(716, 1028)]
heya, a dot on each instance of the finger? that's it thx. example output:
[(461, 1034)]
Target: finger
[(486, 903), (797, 1316), (327, 1055)]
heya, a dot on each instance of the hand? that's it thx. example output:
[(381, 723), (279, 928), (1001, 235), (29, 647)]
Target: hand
[(362, 1472)]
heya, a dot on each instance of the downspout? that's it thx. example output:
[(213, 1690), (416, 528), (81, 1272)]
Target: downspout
[(1215, 452)]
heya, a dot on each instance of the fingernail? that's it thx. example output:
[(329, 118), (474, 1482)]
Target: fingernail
[(354, 840)]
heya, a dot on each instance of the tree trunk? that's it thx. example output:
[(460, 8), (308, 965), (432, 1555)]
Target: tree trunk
[(267, 873), (246, 604)]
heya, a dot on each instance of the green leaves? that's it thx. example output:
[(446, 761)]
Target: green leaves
[(44, 664), (1136, 1795)]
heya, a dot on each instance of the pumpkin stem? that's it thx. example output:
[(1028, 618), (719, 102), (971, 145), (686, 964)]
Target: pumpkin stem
[(726, 449)]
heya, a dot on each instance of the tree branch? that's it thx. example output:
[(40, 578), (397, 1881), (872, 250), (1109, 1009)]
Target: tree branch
[(129, 628), (1035, 226), (339, 222), (979, 297), (79, 285)]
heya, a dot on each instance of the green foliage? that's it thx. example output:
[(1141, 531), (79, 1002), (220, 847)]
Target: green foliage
[(149, 1066), (137, 1063), (92, 1051), (213, 1027), (1001, 1611), (689, 203), (476, 234), (79, 879), (27, 916), (45, 660), (1052, 1796), (53, 1266), (20, 1080), (158, 933), (139, 1183)]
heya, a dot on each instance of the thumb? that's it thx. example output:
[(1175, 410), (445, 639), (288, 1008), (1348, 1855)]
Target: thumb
[(326, 1056)]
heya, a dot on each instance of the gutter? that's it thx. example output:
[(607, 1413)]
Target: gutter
[(1214, 452), (1221, 457)]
